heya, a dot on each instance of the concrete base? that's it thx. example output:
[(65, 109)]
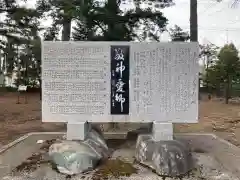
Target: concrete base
[(77, 130), (162, 131), (224, 152)]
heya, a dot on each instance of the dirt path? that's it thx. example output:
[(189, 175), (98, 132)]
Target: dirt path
[(19, 119), (217, 117)]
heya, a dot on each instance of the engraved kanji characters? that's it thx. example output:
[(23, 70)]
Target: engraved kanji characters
[(120, 68), (118, 94), (120, 85)]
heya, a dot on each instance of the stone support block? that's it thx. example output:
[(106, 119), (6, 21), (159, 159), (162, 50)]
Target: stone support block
[(77, 130), (162, 131)]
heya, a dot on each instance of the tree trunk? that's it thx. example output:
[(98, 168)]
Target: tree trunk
[(113, 9), (207, 77), (217, 90), (19, 68), (193, 21), (2, 63), (228, 90), (66, 32), (194, 27), (40, 84)]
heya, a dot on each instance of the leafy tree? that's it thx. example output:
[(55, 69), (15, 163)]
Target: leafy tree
[(51, 33), (106, 17), (226, 69), (208, 53), (210, 50), (5, 30), (86, 27), (177, 34), (16, 24), (212, 78), (62, 12), (7, 35), (135, 23), (20, 29)]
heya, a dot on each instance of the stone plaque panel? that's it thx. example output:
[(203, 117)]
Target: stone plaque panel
[(76, 81), (163, 83)]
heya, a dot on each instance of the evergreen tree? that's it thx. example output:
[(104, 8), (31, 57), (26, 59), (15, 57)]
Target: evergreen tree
[(108, 22), (177, 34), (225, 70), (21, 27)]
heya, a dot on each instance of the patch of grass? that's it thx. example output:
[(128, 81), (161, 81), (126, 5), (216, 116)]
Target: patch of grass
[(114, 168)]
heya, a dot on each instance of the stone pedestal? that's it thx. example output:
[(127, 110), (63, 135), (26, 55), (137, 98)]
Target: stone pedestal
[(77, 130), (169, 158), (162, 131)]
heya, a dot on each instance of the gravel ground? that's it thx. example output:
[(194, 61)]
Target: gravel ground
[(120, 167), (207, 169)]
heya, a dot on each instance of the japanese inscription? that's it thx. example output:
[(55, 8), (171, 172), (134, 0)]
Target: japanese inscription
[(75, 81), (164, 77), (120, 80)]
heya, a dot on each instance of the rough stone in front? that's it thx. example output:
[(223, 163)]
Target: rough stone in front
[(168, 158), (74, 157)]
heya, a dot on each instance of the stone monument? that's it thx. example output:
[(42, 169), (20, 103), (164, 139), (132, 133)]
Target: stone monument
[(123, 82)]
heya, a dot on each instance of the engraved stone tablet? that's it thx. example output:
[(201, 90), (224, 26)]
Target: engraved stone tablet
[(164, 82), (75, 81), (161, 82)]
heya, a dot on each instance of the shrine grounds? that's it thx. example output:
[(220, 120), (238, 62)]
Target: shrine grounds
[(19, 119)]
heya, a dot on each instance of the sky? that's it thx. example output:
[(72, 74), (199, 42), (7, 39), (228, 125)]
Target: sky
[(219, 23)]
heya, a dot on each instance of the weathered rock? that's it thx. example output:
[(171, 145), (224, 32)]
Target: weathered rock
[(144, 148), (169, 158), (74, 157), (97, 137), (96, 141)]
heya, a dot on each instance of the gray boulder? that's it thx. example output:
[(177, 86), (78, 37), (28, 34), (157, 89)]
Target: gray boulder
[(74, 157), (144, 148), (96, 141), (169, 158)]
